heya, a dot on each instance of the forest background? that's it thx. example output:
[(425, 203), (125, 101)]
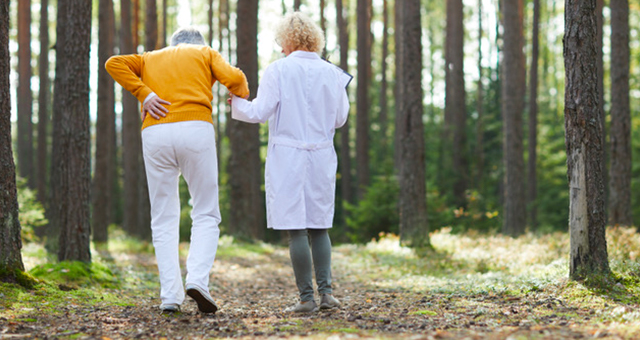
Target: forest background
[(456, 146), (463, 153)]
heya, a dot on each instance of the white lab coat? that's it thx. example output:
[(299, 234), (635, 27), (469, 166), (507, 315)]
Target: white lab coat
[(305, 100)]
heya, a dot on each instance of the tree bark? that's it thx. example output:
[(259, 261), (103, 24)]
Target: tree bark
[(131, 140), (455, 106), (296, 5), (71, 159), (247, 206), (135, 18), (532, 181), (346, 181), (210, 22), (584, 142), (105, 127), (384, 116), (43, 103), (620, 171), (151, 26), (323, 27), (398, 18), (25, 96), (10, 240), (164, 23), (480, 107), (601, 100), (414, 230), (362, 103), (513, 90)]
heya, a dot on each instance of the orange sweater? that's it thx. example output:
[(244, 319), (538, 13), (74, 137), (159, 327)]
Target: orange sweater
[(182, 75)]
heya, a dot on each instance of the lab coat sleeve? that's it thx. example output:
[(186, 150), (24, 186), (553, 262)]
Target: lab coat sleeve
[(264, 105)]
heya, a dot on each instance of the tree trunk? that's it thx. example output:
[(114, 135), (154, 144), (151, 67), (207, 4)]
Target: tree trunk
[(296, 5), (135, 33), (620, 176), (223, 34), (10, 240), (210, 22), (164, 23), (399, 80), (131, 144), (362, 103), (346, 181), (480, 108), (71, 159), (532, 181), (414, 230), (25, 97), (151, 26), (383, 119), (584, 142), (323, 27), (601, 100), (513, 90), (455, 106), (247, 206), (105, 126), (43, 103)]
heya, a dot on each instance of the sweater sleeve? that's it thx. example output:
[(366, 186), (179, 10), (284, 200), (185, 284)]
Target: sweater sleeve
[(231, 77), (126, 70)]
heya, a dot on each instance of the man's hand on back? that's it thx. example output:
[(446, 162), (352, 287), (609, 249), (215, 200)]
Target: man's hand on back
[(153, 106)]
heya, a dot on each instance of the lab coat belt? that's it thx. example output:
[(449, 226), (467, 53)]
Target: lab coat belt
[(300, 144)]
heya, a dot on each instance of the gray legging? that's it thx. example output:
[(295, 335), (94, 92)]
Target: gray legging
[(301, 258)]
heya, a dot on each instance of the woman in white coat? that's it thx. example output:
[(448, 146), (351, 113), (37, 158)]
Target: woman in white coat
[(304, 99)]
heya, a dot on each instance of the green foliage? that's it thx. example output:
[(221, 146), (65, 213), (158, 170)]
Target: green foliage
[(32, 214), (185, 211), (77, 274), (479, 215), (553, 189), (376, 213)]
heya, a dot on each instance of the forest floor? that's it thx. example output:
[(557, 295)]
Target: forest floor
[(470, 286)]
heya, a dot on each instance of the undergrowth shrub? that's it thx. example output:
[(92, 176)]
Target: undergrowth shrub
[(377, 211), (32, 214)]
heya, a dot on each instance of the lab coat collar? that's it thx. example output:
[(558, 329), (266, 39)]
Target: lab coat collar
[(304, 54)]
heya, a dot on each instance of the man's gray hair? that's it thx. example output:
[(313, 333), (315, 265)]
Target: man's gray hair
[(187, 35)]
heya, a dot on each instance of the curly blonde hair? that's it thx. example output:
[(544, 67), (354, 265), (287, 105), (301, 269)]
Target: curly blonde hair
[(299, 32)]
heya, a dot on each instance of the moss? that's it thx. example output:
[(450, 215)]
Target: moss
[(17, 276), (346, 330), (71, 275), (424, 312)]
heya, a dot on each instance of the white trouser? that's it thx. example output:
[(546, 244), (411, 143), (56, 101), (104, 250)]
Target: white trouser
[(188, 148)]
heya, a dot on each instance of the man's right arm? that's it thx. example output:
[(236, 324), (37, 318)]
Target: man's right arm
[(126, 70)]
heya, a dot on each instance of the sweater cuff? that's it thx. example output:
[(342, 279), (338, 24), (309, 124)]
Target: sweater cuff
[(151, 95)]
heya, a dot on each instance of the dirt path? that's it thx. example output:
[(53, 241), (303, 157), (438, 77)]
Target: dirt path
[(253, 290)]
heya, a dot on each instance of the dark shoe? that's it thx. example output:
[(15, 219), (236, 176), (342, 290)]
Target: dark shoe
[(329, 302), (170, 308), (203, 299), (303, 307)]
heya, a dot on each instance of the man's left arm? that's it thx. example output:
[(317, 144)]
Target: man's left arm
[(126, 70), (231, 77)]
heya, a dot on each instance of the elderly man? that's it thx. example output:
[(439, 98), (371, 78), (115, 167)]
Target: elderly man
[(174, 85)]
